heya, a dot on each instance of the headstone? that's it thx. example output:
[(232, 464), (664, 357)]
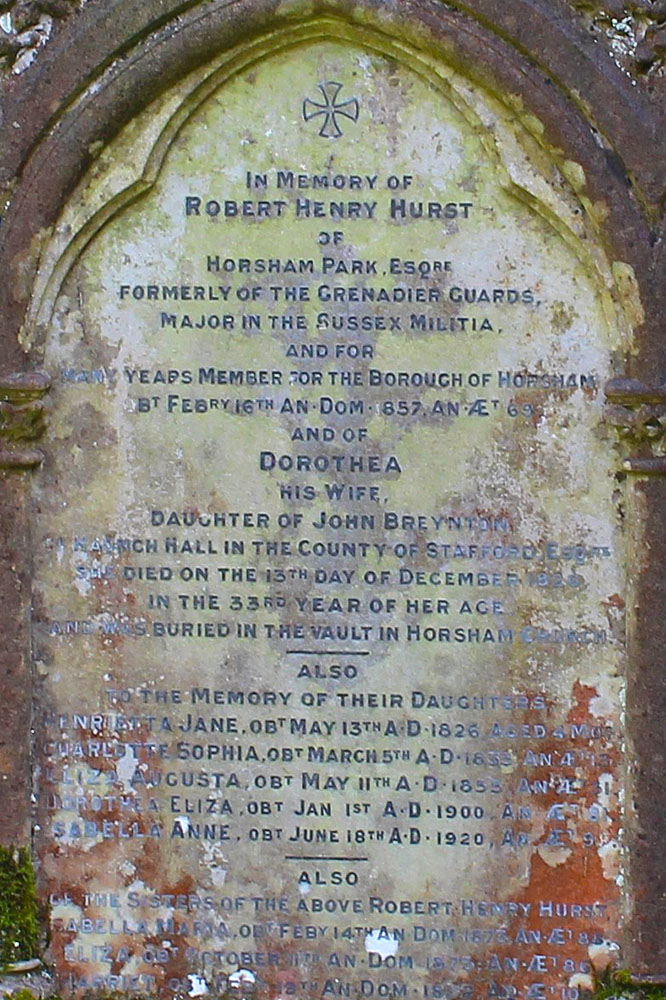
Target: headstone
[(330, 567)]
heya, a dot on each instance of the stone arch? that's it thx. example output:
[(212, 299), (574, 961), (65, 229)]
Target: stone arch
[(578, 223), (134, 52), (112, 59)]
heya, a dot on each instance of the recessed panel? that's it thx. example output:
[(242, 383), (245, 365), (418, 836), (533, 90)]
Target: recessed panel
[(329, 605)]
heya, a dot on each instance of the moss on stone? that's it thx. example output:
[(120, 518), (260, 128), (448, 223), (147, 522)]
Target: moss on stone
[(620, 983), (19, 908)]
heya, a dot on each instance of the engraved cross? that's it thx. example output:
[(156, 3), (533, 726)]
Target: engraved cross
[(330, 109)]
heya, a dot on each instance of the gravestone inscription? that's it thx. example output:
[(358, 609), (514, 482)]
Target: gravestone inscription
[(329, 570)]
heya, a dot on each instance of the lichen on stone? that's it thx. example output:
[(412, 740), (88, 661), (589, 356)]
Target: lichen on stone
[(26, 26), (635, 31)]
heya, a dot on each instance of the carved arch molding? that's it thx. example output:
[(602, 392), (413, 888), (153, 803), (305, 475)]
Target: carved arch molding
[(591, 73)]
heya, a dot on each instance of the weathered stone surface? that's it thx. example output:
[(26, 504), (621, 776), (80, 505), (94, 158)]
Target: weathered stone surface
[(329, 570), (529, 139)]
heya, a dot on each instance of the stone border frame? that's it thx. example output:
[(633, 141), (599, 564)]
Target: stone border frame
[(108, 60)]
